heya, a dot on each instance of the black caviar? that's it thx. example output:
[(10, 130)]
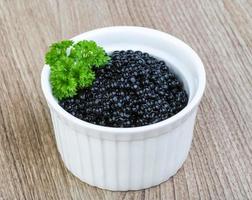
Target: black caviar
[(133, 89)]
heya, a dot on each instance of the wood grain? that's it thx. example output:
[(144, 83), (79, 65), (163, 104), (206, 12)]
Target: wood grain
[(219, 165)]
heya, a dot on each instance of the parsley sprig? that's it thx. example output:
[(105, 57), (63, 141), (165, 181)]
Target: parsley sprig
[(72, 66)]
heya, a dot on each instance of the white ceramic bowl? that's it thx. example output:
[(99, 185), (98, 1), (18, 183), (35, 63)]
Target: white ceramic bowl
[(122, 159)]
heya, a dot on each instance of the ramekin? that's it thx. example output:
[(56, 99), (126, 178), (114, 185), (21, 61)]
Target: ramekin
[(122, 159)]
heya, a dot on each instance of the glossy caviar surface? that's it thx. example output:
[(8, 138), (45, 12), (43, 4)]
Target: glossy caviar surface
[(133, 89)]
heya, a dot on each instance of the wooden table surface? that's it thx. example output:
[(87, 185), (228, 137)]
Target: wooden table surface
[(219, 165)]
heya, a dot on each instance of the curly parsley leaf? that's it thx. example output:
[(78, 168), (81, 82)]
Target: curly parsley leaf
[(83, 74), (63, 83), (71, 66), (90, 53), (57, 51)]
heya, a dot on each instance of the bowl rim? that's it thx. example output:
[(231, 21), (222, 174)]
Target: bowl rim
[(130, 130)]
